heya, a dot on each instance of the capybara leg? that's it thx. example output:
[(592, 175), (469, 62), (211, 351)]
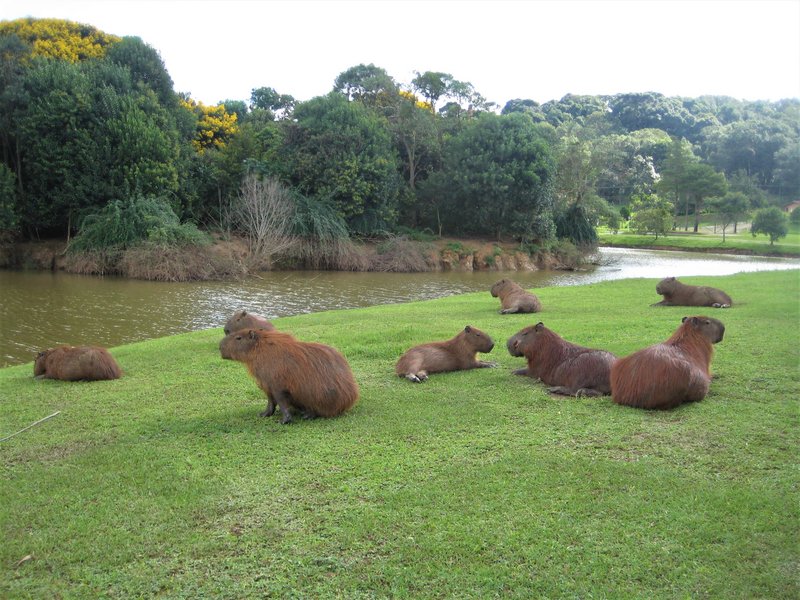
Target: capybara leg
[(413, 378), (284, 402), (718, 305), (560, 389), (309, 414), (270, 410), (520, 372), (588, 393), (482, 364), (508, 311)]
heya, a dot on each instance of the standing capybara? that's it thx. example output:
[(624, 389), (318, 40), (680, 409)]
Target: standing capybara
[(514, 299), (457, 354), (668, 374), (678, 294), (245, 320), (73, 363), (573, 370), (307, 377)]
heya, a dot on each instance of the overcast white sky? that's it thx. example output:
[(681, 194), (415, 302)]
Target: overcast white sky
[(540, 49)]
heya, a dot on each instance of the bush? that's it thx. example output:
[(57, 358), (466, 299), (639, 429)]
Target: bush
[(794, 216)]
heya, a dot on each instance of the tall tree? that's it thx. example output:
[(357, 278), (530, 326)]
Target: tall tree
[(674, 182), (730, 208), (368, 84)]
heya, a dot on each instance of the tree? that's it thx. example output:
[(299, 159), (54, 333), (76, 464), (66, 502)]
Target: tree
[(432, 85), (365, 83), (675, 175), (650, 214), (704, 182), (215, 125), (731, 208), (60, 39), (264, 212), (266, 98), (770, 221)]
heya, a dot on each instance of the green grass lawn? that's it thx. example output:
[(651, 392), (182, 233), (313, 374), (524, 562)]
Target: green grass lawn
[(474, 484)]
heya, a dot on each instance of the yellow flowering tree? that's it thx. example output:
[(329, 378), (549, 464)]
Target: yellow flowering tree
[(215, 125), (57, 38)]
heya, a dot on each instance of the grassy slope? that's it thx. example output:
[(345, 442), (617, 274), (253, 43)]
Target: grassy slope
[(474, 484)]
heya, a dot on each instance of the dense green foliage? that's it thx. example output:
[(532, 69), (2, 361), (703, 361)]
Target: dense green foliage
[(475, 484), (772, 222), (86, 118)]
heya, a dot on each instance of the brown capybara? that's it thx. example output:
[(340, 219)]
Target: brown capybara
[(457, 354), (678, 294), (573, 370), (514, 299), (74, 363), (245, 320), (310, 378), (667, 374)]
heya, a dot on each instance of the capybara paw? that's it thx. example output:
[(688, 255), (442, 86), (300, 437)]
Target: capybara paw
[(587, 393), (265, 413), (309, 415), (286, 420)]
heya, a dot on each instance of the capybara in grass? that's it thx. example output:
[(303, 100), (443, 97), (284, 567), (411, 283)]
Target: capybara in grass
[(306, 377), (573, 370), (74, 363), (678, 294), (457, 354), (667, 374), (244, 320), (514, 299)]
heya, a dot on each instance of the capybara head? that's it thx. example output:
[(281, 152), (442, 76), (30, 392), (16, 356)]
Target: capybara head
[(39, 366), (524, 338), (501, 285), (709, 328), (665, 285), (477, 339), (245, 320), (238, 344)]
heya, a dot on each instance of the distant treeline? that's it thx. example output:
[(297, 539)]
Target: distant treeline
[(93, 132)]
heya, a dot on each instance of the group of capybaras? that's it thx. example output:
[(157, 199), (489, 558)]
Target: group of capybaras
[(315, 380)]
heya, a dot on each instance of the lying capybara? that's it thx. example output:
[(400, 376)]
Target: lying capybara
[(678, 294), (74, 363), (573, 370), (457, 354), (245, 320), (668, 374), (514, 299), (307, 377)]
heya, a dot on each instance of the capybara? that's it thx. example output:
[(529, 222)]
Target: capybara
[(678, 294), (245, 320), (514, 299), (310, 378), (73, 363), (667, 374), (573, 370), (457, 354)]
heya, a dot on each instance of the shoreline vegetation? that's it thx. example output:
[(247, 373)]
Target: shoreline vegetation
[(504, 489)]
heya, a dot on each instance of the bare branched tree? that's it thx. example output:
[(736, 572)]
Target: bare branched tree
[(263, 212)]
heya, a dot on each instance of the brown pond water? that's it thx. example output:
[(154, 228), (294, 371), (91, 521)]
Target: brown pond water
[(40, 310)]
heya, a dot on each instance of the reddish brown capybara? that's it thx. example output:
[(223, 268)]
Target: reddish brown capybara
[(573, 370), (457, 354), (306, 377), (75, 363), (514, 299), (679, 294), (667, 374), (244, 320)]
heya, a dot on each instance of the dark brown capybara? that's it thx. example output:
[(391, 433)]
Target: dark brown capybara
[(514, 299), (573, 370), (245, 320), (672, 372), (306, 377), (75, 363), (457, 354), (679, 294)]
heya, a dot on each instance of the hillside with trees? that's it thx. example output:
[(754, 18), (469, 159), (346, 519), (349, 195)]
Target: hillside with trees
[(92, 131)]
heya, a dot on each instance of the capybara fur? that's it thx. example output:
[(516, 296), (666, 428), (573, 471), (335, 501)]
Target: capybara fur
[(514, 299), (244, 320), (306, 377), (572, 370), (667, 374), (457, 354), (679, 294), (75, 363)]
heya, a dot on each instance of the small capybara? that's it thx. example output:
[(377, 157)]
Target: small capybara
[(514, 299), (245, 320), (667, 374), (306, 377), (573, 370), (74, 363), (457, 354), (678, 294)]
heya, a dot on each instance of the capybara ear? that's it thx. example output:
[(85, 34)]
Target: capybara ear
[(683, 320), (244, 313), (539, 326), (252, 334), (468, 328)]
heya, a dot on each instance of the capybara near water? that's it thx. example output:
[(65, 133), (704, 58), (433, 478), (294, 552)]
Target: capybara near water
[(678, 294), (514, 299), (571, 369), (306, 377), (74, 363), (457, 354), (244, 320), (667, 374)]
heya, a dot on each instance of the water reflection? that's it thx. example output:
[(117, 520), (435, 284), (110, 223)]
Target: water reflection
[(42, 309)]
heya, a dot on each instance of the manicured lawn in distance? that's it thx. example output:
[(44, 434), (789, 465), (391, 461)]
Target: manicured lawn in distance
[(473, 485)]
